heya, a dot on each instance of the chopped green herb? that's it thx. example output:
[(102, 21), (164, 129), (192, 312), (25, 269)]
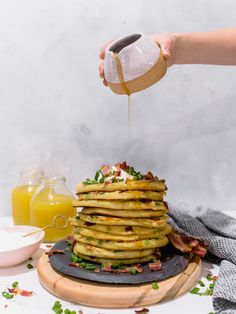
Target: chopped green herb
[(89, 181), (90, 266), (97, 175), (30, 266), (15, 284), (83, 264), (117, 266), (147, 242), (7, 295), (100, 242), (133, 271), (209, 277), (57, 307), (201, 283), (211, 286), (75, 259), (195, 290), (66, 311), (101, 180), (155, 286)]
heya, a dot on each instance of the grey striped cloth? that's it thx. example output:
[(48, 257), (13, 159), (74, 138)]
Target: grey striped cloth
[(219, 230)]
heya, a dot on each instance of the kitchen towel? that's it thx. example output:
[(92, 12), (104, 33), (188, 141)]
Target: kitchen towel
[(219, 230)]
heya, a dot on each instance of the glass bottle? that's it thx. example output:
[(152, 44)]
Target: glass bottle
[(52, 198), (21, 196)]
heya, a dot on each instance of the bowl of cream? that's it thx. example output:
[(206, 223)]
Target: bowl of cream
[(15, 248)]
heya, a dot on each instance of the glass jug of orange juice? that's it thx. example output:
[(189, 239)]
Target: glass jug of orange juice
[(52, 198), (21, 196)]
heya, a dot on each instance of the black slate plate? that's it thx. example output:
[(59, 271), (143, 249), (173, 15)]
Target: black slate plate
[(173, 262)]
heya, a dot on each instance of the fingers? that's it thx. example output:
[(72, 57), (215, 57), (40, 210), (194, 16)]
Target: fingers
[(101, 74), (101, 70), (102, 52)]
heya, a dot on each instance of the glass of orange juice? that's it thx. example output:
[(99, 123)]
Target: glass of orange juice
[(52, 198), (21, 196)]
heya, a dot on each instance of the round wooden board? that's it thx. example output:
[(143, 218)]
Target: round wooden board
[(116, 296)]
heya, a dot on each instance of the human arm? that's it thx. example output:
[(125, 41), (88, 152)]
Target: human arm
[(215, 47)]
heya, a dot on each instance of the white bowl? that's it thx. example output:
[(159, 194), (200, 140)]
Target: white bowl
[(16, 256)]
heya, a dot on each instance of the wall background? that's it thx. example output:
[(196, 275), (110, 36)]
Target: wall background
[(56, 115)]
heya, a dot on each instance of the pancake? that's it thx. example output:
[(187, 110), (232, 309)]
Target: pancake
[(121, 230), (143, 185), (107, 261), (123, 195), (124, 245), (142, 222), (91, 250), (124, 213), (116, 204), (85, 232)]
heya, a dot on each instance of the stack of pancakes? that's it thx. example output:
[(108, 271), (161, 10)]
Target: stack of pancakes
[(124, 222)]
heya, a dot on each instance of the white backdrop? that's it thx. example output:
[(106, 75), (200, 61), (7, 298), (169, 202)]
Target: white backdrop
[(56, 115)]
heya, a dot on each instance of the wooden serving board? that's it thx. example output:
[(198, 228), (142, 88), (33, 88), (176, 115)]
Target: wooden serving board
[(116, 296)]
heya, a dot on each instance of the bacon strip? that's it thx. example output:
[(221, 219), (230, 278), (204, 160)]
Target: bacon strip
[(187, 244), (143, 311), (23, 293), (55, 252), (105, 170), (155, 266)]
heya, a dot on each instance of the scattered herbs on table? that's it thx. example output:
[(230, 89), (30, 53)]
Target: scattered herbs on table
[(29, 266), (15, 284), (10, 293), (7, 295), (208, 290), (155, 286), (57, 309)]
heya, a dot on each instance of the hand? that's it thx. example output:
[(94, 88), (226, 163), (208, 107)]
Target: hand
[(165, 41)]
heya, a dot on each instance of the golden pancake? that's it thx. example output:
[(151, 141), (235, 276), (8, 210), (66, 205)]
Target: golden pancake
[(106, 220), (122, 245), (91, 233), (107, 261), (121, 230), (128, 205), (124, 213), (143, 185), (123, 195), (91, 250)]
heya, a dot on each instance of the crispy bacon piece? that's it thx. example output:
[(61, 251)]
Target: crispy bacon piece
[(148, 176), (105, 170), (74, 264), (187, 244), (69, 238), (122, 165), (143, 311), (23, 293), (55, 252), (138, 268), (155, 266)]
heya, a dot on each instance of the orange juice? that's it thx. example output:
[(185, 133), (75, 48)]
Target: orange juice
[(21, 196), (45, 205)]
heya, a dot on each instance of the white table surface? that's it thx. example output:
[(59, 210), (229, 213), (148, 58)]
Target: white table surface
[(42, 301)]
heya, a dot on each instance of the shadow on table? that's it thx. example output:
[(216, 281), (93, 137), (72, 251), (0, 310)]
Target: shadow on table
[(22, 268)]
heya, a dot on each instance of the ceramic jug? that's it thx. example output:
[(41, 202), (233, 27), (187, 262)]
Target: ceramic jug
[(133, 63)]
